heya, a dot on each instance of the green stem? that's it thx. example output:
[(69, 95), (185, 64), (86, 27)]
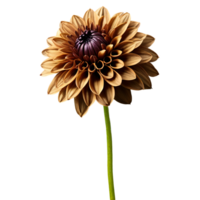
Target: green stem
[(109, 154)]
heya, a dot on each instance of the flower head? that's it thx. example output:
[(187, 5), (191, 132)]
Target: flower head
[(99, 58)]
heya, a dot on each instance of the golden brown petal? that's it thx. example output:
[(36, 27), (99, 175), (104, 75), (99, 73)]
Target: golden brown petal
[(113, 23), (96, 83), (123, 95), (129, 33), (103, 12), (107, 72), (82, 79), (130, 59), (68, 28), (136, 84), (72, 91), (52, 87), (59, 67), (116, 80), (107, 95), (71, 75), (146, 57), (81, 107), (52, 52), (101, 54), (154, 54), (115, 41), (143, 76), (88, 96), (126, 17), (115, 53), (117, 64), (119, 30), (62, 95), (127, 46), (148, 41), (109, 48), (78, 22), (49, 64), (126, 73), (134, 24), (141, 36), (46, 72), (90, 14), (49, 41), (150, 69), (60, 42)]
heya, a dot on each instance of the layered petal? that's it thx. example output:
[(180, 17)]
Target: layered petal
[(126, 73), (130, 59), (128, 45), (105, 13), (136, 84), (78, 22), (88, 96), (67, 28), (143, 76), (107, 95), (80, 105), (123, 95), (96, 83)]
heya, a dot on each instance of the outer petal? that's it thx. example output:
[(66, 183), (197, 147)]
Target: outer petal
[(148, 41), (72, 91), (46, 73), (103, 12), (67, 28), (82, 79), (130, 59), (136, 84), (90, 14), (127, 46), (107, 95), (81, 107), (150, 69), (126, 73), (88, 96), (123, 95), (116, 80), (78, 22), (49, 64)]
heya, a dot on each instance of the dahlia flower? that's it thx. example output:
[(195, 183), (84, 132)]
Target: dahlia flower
[(99, 58)]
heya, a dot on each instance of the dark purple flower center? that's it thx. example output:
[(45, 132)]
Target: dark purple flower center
[(89, 43)]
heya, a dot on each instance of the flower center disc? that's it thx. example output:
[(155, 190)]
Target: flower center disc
[(89, 43)]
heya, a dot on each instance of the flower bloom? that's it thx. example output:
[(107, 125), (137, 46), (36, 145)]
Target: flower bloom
[(99, 58)]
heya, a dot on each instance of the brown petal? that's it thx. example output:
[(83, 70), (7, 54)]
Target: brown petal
[(134, 24), (101, 54), (88, 96), (143, 75), (52, 87), (71, 75), (62, 95), (126, 73), (119, 30), (59, 67), (107, 95), (50, 51), (115, 41), (49, 41), (78, 22), (129, 33), (80, 106), (107, 72), (146, 57), (117, 64), (82, 79), (126, 17), (127, 46), (90, 14), (148, 41), (109, 48), (130, 59), (154, 54), (141, 36), (72, 91), (60, 42), (115, 53), (46, 72), (49, 64), (123, 95), (116, 80), (68, 28), (96, 83), (113, 23), (103, 12), (136, 84), (150, 69)]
